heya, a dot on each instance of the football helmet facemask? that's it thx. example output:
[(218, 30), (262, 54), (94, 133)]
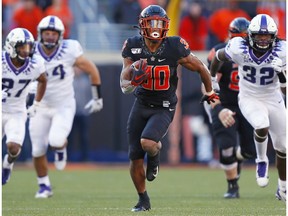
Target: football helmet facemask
[(154, 22), (262, 24), (17, 38), (52, 23), (238, 27)]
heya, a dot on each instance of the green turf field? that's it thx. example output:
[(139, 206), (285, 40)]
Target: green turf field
[(108, 191)]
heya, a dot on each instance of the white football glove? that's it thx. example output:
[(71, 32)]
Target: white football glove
[(33, 109), (215, 84), (94, 105), (277, 64), (4, 95)]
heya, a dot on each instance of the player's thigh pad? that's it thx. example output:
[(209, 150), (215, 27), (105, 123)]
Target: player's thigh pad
[(61, 125), (135, 125), (39, 127), (158, 124), (13, 125), (255, 111)]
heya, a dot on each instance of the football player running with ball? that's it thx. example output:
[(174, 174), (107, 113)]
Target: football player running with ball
[(20, 67), (149, 70), (261, 60), (53, 121)]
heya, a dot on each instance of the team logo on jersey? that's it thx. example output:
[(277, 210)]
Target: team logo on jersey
[(136, 50), (246, 57)]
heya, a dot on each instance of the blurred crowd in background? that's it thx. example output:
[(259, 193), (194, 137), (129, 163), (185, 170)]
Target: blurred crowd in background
[(203, 23)]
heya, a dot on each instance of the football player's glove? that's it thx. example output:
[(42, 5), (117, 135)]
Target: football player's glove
[(209, 97), (140, 74), (33, 109), (94, 105), (277, 65)]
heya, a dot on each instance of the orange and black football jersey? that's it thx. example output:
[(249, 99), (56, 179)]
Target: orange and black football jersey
[(161, 85)]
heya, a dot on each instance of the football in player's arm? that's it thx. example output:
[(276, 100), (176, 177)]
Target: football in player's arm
[(149, 70)]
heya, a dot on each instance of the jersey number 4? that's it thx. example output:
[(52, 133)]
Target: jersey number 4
[(158, 79)]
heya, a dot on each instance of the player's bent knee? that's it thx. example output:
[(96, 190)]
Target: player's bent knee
[(14, 154), (58, 142), (38, 152), (228, 156), (281, 155), (13, 150)]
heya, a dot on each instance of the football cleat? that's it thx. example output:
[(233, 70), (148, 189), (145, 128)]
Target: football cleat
[(6, 170), (6, 174), (152, 169), (232, 193), (280, 195), (262, 177), (142, 205), (44, 191), (60, 159)]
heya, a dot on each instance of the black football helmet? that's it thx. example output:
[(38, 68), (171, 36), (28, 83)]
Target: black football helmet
[(154, 22), (239, 27)]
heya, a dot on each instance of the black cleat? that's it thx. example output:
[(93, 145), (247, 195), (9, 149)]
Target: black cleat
[(142, 205), (152, 167), (233, 191)]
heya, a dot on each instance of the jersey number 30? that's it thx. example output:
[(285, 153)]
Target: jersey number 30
[(158, 79)]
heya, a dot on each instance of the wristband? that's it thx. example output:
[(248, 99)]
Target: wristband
[(36, 103), (96, 91), (210, 93)]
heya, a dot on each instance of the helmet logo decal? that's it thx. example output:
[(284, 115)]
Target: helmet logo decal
[(26, 34), (263, 24), (51, 22)]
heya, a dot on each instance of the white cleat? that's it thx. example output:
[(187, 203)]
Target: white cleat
[(60, 159), (262, 177), (44, 192)]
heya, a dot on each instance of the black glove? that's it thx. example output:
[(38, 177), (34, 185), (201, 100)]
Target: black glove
[(209, 98), (139, 74)]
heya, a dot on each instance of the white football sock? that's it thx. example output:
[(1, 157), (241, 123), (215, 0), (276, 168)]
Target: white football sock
[(261, 149), (43, 180)]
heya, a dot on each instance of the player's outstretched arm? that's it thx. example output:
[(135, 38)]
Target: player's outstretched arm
[(217, 61), (192, 63), (96, 103)]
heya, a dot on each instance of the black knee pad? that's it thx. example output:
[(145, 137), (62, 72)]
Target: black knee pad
[(228, 156)]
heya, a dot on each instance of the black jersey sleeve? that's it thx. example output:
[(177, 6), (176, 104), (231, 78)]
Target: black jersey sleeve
[(132, 48), (180, 47)]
